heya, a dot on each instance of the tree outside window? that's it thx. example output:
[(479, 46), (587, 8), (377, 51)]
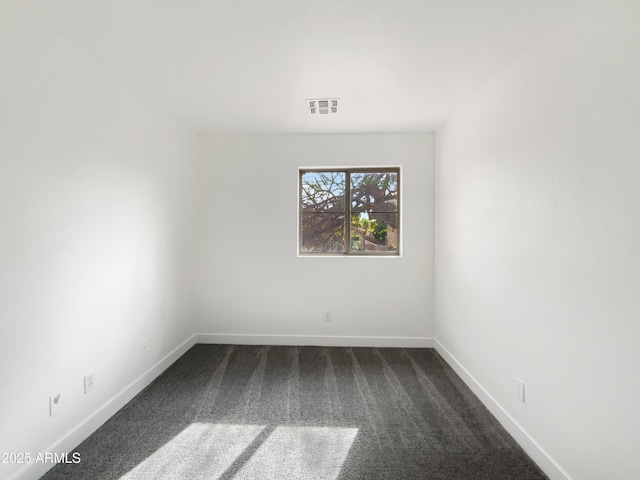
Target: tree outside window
[(368, 223)]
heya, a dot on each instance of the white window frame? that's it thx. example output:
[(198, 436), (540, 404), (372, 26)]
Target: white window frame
[(347, 223)]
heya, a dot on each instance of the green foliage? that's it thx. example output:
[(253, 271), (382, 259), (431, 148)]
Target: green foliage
[(380, 231)]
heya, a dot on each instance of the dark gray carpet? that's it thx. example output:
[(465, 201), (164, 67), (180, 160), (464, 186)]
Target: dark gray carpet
[(259, 412)]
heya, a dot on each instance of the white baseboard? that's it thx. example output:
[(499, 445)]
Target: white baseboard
[(89, 425), (528, 444), (315, 340)]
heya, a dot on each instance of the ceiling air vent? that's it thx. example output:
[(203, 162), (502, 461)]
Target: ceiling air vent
[(322, 106)]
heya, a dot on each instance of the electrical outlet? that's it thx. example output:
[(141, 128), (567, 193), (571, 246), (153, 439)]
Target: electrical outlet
[(327, 316), (144, 346), (89, 382), (54, 404), (520, 390)]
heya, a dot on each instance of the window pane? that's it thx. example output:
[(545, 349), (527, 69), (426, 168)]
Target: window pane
[(369, 203), (322, 232), (376, 232), (323, 191), (374, 192)]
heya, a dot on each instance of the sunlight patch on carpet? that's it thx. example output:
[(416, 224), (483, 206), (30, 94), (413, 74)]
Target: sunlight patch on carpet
[(209, 451), (300, 453), (202, 450)]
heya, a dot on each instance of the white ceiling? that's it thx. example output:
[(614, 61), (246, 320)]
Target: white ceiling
[(248, 65)]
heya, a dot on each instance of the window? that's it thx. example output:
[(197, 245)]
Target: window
[(366, 224)]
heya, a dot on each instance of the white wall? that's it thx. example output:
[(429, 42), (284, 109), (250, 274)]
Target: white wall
[(537, 241), (93, 199), (250, 279)]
